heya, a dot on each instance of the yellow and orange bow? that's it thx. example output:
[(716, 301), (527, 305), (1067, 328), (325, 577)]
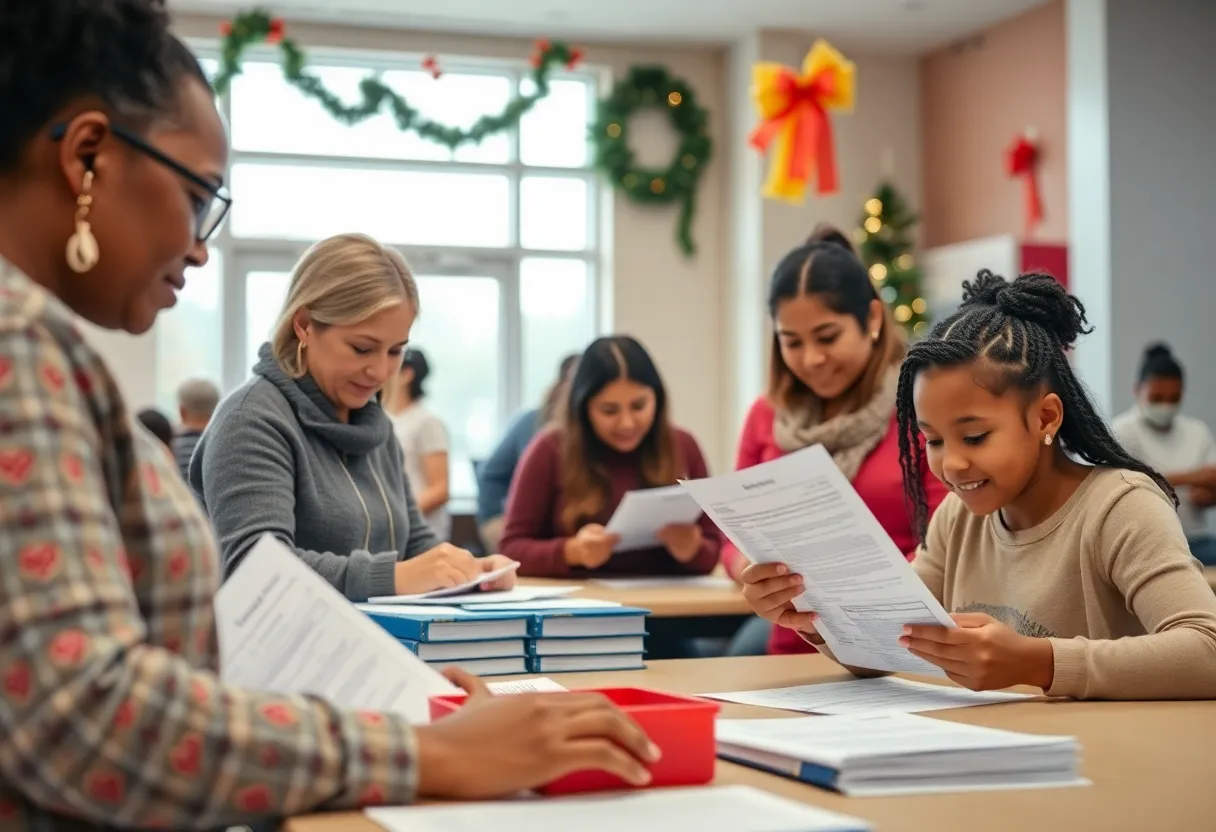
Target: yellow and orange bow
[(793, 112)]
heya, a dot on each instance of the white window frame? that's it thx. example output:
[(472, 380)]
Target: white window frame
[(242, 255)]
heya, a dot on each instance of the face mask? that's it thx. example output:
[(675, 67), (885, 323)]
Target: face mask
[(1159, 415)]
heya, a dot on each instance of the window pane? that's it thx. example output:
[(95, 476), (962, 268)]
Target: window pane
[(458, 331), (557, 308), (189, 337), (553, 213), (265, 293), (271, 116), (410, 207), (554, 132)]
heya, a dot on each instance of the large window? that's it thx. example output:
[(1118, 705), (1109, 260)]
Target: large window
[(502, 235)]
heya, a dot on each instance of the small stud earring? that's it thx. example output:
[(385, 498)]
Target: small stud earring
[(82, 250), (874, 336), (1047, 439)]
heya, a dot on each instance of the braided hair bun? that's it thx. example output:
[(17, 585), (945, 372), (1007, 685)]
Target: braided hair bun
[(1034, 298)]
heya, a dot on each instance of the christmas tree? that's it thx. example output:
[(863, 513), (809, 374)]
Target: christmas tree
[(885, 243)]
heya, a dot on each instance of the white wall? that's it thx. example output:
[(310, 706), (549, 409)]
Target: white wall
[(132, 360)]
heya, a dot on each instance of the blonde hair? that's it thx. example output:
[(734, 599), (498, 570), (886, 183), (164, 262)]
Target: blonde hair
[(340, 281)]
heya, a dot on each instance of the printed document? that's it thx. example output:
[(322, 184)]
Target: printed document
[(801, 511), (641, 514), (538, 684), (886, 694), (283, 628), (704, 809)]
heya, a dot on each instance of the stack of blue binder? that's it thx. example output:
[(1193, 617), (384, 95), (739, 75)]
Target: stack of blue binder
[(521, 641)]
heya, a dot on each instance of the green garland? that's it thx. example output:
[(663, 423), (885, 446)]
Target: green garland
[(653, 86), (256, 27)]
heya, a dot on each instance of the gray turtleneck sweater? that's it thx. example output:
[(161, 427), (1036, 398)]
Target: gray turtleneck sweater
[(275, 458)]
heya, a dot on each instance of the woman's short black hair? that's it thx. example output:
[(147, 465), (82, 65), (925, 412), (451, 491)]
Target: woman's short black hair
[(415, 359), (158, 425), (1159, 362), (52, 52)]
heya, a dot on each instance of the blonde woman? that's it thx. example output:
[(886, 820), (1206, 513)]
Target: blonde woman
[(304, 450)]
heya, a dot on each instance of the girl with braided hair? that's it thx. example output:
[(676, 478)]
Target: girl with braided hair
[(1059, 555)]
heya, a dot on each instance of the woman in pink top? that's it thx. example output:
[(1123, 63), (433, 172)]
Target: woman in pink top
[(834, 366)]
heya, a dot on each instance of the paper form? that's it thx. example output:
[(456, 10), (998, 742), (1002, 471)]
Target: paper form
[(801, 511), (283, 628), (641, 514), (675, 581), (549, 604), (540, 684), (705, 809), (864, 696), (459, 589), (519, 593)]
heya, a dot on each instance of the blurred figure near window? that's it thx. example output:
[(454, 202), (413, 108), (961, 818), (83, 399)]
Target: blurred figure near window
[(494, 478), (424, 439), (197, 399), (158, 425)]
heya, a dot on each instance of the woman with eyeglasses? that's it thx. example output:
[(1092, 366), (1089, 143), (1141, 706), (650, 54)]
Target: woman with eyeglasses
[(111, 710)]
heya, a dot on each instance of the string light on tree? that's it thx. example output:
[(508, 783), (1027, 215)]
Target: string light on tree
[(885, 243)]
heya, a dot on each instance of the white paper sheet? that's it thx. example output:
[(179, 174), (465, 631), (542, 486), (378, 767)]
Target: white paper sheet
[(519, 593), (459, 589), (864, 696), (706, 809), (540, 684), (675, 581), (550, 604), (283, 628), (641, 514), (801, 511)]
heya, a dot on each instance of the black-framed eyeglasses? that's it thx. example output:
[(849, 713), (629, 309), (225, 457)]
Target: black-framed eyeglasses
[(210, 214)]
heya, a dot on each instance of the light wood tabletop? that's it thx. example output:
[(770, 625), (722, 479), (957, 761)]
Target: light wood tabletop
[(699, 598), (1150, 762)]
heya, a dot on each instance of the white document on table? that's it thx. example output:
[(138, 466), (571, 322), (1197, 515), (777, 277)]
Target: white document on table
[(801, 511), (459, 589), (283, 628), (864, 696), (704, 809), (641, 514), (668, 582), (538, 684), (504, 596)]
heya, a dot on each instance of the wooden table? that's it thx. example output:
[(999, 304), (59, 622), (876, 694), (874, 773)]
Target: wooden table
[(663, 602), (1151, 762)]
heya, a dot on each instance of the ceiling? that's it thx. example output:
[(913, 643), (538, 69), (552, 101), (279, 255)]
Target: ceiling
[(898, 26)]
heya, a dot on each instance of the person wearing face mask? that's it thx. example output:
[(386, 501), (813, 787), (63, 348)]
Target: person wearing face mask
[(1181, 447), (832, 377), (614, 437), (305, 452), (112, 709)]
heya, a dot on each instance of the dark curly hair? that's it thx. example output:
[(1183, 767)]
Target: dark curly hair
[(1020, 332), (1159, 362), (119, 52)]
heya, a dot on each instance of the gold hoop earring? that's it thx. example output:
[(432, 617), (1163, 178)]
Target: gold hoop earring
[(82, 250), (1047, 439), (300, 356)]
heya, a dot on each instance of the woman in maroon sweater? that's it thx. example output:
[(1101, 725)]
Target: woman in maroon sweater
[(614, 437)]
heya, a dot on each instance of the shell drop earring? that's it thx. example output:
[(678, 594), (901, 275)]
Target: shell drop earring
[(82, 249)]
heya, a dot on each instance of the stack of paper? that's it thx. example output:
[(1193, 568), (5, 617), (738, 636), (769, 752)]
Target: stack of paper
[(885, 754), (866, 696), (707, 809)]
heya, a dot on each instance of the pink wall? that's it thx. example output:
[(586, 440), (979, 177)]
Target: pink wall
[(975, 98)]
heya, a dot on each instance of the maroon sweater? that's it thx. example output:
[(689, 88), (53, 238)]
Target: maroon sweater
[(534, 536)]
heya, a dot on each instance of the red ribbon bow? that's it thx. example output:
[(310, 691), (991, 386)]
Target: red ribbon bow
[(1022, 159)]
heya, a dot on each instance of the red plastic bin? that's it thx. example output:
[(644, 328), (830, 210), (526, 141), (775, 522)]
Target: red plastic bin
[(681, 726)]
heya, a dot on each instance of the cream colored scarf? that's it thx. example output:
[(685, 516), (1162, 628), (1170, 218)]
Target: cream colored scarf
[(849, 437)]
